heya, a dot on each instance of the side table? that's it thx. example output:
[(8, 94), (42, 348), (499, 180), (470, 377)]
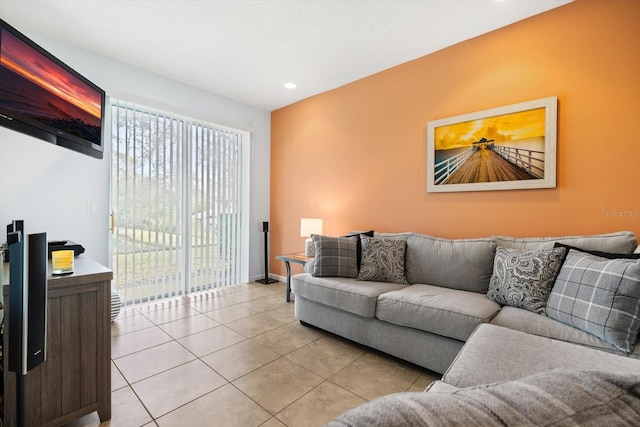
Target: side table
[(298, 258)]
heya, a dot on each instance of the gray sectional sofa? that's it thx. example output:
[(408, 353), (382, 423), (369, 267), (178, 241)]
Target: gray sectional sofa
[(427, 319), (505, 377)]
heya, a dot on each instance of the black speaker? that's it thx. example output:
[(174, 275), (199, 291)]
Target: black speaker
[(27, 303), (15, 226), (14, 231), (267, 280), (13, 237)]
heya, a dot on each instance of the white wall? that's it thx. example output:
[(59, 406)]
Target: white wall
[(49, 186)]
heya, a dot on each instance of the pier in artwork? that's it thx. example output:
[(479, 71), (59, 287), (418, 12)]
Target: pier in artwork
[(487, 162)]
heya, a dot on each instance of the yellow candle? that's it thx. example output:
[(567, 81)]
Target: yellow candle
[(62, 262)]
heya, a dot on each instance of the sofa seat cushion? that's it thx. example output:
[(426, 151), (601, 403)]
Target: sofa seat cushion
[(350, 295), (494, 354), (464, 264), (623, 242), (447, 312), (531, 323)]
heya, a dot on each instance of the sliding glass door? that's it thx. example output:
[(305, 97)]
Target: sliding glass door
[(177, 199), (213, 225)]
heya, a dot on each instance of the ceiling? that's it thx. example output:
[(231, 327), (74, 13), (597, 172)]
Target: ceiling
[(247, 49)]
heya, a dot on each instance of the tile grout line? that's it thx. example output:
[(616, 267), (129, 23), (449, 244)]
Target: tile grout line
[(227, 382), (268, 311)]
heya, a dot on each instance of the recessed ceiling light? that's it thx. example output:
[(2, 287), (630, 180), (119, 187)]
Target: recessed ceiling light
[(290, 85)]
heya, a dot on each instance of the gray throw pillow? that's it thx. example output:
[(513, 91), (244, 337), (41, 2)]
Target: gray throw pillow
[(524, 279), (599, 296), (383, 259), (335, 256)]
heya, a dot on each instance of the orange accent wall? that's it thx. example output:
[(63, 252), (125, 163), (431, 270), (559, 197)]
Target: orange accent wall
[(356, 156)]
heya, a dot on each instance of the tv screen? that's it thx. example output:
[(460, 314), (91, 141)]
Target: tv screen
[(43, 97)]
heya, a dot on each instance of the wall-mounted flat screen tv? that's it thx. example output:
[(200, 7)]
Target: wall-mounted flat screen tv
[(42, 97)]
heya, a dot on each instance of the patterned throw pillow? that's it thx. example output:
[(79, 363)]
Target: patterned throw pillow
[(383, 259), (335, 256), (599, 296), (359, 244), (524, 279)]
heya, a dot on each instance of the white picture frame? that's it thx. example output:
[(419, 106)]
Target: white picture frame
[(506, 148)]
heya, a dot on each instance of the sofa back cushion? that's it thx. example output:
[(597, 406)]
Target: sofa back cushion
[(623, 242), (464, 264)]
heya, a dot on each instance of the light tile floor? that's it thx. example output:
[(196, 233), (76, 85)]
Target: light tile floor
[(238, 357)]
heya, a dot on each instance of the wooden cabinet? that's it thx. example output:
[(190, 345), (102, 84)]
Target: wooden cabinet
[(75, 380)]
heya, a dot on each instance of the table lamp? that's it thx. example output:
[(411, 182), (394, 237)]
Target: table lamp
[(309, 226)]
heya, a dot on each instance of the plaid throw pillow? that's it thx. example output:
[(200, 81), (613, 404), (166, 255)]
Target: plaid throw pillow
[(599, 296), (335, 256)]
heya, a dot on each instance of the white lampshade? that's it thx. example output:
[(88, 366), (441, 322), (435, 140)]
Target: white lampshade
[(309, 226)]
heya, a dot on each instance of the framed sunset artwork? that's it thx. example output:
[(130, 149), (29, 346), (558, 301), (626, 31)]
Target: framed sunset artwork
[(505, 148)]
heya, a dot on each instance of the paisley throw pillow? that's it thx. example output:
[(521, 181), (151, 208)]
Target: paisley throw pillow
[(524, 279), (383, 259)]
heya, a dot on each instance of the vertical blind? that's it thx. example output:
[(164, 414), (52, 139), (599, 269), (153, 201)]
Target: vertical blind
[(177, 203)]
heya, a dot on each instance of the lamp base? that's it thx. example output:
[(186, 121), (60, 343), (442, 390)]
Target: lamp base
[(309, 248)]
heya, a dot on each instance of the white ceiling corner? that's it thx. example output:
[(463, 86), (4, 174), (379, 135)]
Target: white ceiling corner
[(247, 49)]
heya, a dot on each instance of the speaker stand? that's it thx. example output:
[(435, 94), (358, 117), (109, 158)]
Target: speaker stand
[(267, 280)]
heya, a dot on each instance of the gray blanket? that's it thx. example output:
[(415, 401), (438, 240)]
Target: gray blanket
[(556, 398)]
